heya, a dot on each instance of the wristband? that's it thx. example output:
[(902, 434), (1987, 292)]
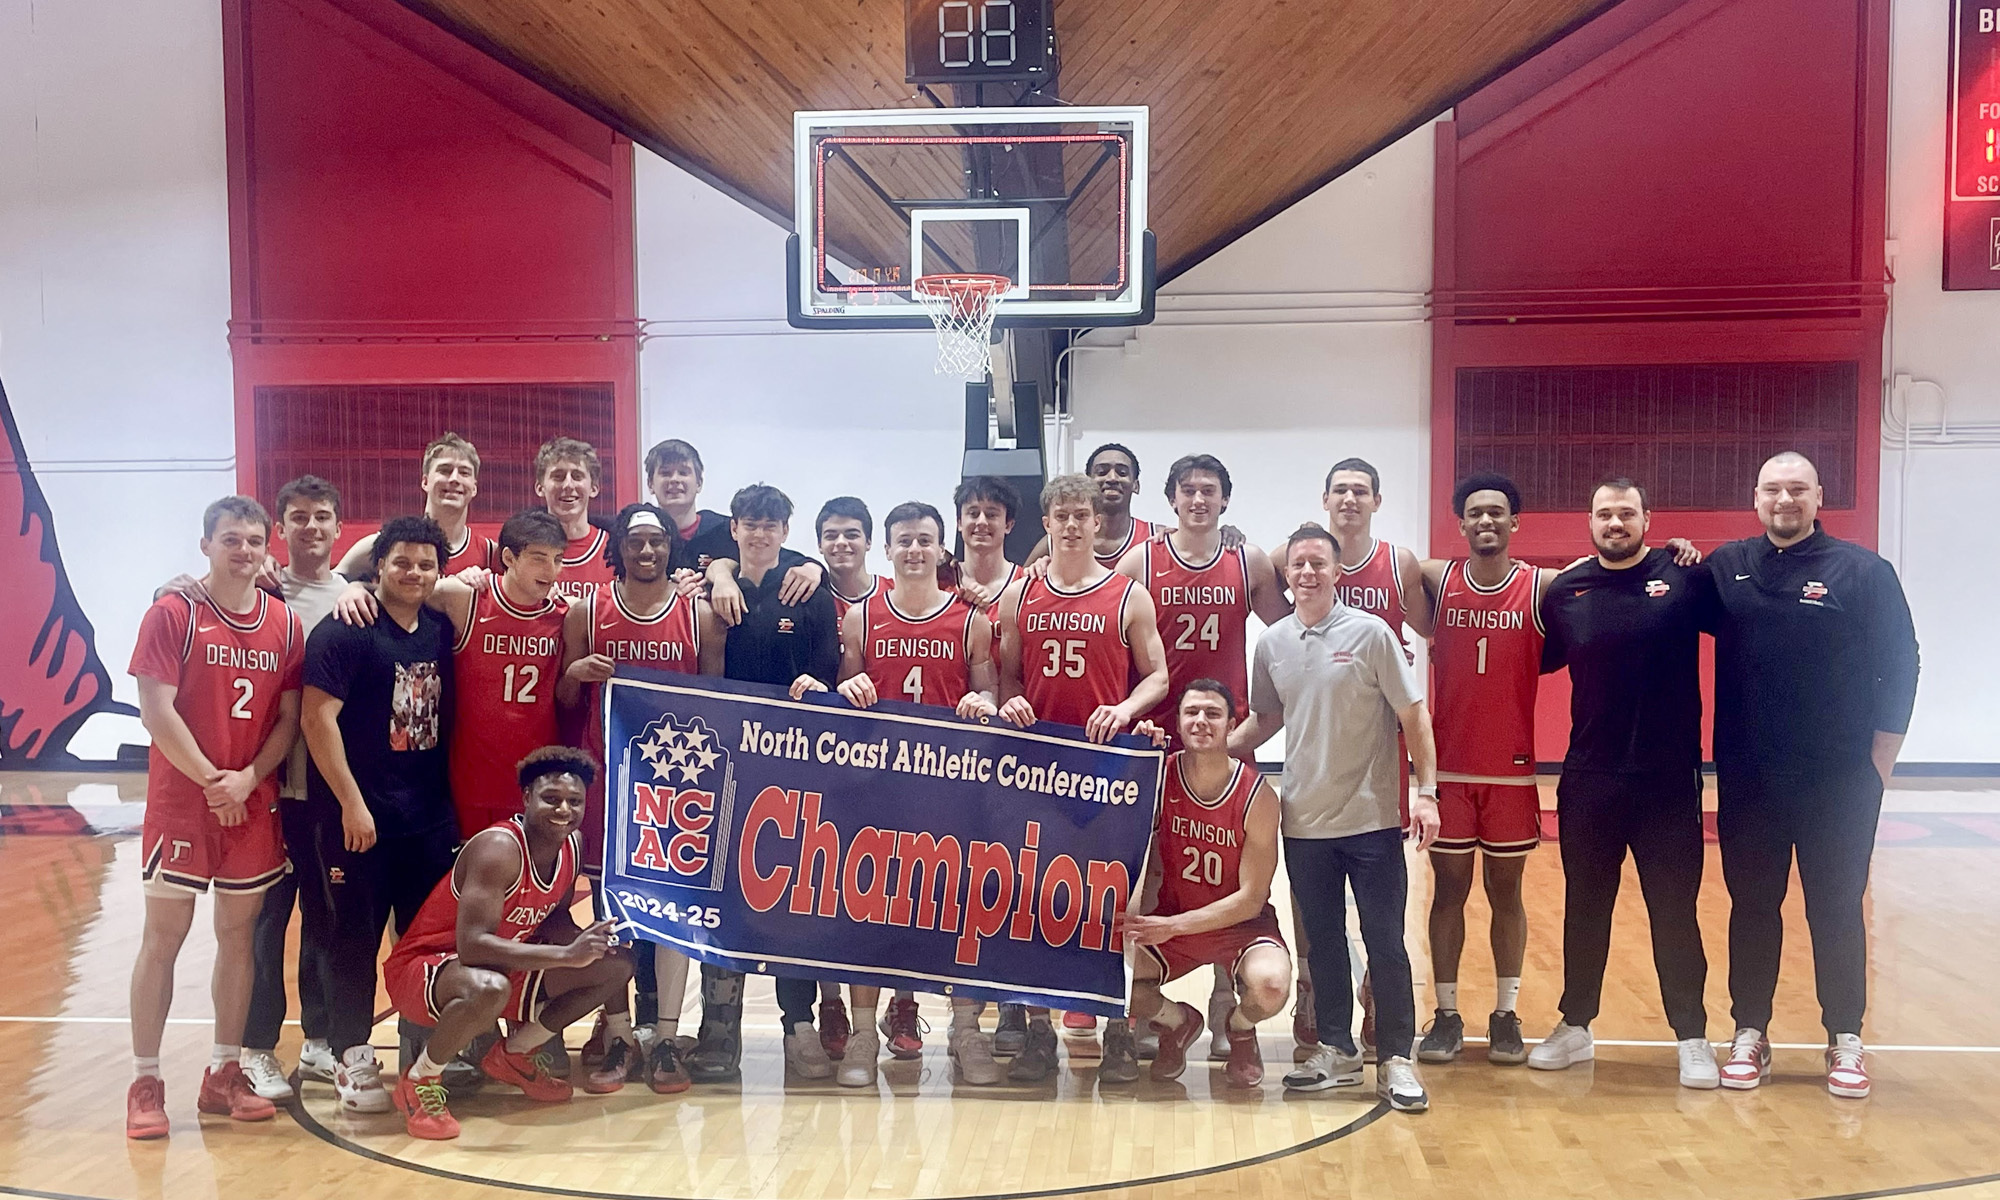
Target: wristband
[(1427, 792)]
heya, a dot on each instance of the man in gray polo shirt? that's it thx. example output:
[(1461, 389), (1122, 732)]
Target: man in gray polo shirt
[(1337, 677)]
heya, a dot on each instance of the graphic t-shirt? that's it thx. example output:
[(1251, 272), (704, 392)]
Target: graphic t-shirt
[(395, 688)]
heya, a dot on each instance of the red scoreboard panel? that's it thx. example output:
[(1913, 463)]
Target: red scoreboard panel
[(1972, 193)]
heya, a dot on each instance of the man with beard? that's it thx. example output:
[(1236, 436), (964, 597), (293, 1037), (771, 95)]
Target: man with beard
[(1627, 625)]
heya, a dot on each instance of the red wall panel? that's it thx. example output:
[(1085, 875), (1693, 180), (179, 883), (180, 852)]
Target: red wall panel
[(405, 210)]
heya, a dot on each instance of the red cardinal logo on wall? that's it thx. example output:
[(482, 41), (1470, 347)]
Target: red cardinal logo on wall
[(51, 680)]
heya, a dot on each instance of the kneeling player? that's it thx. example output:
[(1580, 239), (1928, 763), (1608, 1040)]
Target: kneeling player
[(495, 939), (1215, 851)]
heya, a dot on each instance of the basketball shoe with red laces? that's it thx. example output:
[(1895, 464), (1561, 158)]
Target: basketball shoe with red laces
[(529, 1072), (1749, 1060), (422, 1103), (1847, 1067), (227, 1091), (902, 1029), (146, 1108)]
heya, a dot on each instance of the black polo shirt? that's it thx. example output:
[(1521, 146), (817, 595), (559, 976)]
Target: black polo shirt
[(1815, 652), (776, 643), (711, 540), (1630, 639)]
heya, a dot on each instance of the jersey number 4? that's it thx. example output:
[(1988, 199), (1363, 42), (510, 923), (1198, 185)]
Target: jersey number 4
[(520, 688), (913, 684), (1065, 658), (1203, 866), (1211, 632)]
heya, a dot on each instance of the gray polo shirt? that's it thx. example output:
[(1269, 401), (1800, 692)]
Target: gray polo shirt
[(312, 600), (1338, 686)]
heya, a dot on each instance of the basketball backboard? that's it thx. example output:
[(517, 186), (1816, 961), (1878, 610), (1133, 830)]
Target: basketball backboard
[(1052, 197)]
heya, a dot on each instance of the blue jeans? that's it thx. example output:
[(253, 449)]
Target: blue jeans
[(1320, 869)]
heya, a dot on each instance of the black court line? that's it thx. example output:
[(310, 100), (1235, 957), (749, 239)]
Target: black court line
[(311, 1123)]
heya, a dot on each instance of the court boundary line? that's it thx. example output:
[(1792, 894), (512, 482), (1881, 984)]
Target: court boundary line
[(311, 1124)]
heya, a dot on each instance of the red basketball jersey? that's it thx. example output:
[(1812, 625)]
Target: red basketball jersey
[(670, 640), (229, 670), (1142, 531), (1073, 651), (506, 662), (472, 551), (921, 660), (1486, 657), (529, 902), (1375, 586), (1200, 843), (878, 585), (1202, 611), (585, 568)]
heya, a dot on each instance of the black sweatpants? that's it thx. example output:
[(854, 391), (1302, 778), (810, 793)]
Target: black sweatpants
[(364, 892), (1657, 817), (1828, 818), (1320, 870), (300, 821)]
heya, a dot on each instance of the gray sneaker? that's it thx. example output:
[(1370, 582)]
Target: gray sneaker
[(1221, 1002), (1325, 1068), (804, 1056), (1444, 1038), (1037, 1059), (1503, 1040), (972, 1050), (1396, 1081), (1120, 1063), (1012, 1030)]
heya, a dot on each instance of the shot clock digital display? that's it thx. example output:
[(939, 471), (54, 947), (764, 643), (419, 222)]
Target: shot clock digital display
[(1972, 193), (978, 41)]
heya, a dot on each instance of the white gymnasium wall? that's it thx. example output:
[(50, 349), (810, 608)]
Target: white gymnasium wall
[(114, 293), (1950, 341)]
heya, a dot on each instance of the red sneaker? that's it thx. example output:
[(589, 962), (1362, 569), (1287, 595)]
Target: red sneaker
[(1847, 1067), (902, 1029), (227, 1091), (422, 1103), (1749, 1060), (1079, 1022), (833, 1027), (146, 1108), (529, 1072), (1171, 1058), (1246, 1058), (1305, 1023)]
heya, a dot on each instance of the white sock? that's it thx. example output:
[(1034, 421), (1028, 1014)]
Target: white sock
[(618, 1028), (221, 1056), (965, 1017), (143, 1067), (424, 1068), (527, 1037), (666, 1029), (1170, 1015), (1447, 996), (1508, 993), (1239, 1022)]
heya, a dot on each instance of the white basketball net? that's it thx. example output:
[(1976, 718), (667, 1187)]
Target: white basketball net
[(962, 307)]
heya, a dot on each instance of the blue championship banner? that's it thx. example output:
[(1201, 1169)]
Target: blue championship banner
[(898, 846)]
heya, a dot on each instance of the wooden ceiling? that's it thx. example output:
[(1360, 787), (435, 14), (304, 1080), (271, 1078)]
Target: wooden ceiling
[(1255, 103)]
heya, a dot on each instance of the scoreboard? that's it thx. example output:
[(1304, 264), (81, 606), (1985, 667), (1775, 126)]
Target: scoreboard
[(1972, 193)]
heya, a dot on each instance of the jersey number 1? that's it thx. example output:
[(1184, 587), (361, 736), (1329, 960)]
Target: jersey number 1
[(1482, 656), (520, 689)]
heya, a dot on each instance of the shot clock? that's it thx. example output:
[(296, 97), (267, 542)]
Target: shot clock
[(1972, 189), (978, 41)]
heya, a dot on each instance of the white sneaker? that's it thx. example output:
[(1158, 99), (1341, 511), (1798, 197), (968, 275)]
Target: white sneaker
[(316, 1061), (972, 1050), (1325, 1068), (1847, 1067), (805, 1057), (358, 1080), (857, 1065), (1396, 1081), (1698, 1069), (267, 1078), (1566, 1046)]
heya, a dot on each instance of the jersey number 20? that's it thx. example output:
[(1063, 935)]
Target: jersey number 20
[(1202, 866)]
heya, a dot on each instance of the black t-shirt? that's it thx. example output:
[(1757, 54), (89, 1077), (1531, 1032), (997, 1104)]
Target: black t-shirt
[(711, 540), (1630, 640), (776, 643), (395, 688)]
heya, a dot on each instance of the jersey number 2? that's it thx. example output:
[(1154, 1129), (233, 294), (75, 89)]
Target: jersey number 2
[(1211, 632), (520, 689), (1202, 866), (244, 690)]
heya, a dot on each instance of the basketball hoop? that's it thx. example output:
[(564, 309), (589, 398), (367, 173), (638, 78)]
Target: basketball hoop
[(962, 307)]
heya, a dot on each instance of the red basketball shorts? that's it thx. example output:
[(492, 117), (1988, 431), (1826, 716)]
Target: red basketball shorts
[(411, 981), (187, 849), (1217, 947), (1502, 819)]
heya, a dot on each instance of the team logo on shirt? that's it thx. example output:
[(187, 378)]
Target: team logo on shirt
[(1657, 588), (784, 625), (1343, 656), (1813, 592), (675, 771)]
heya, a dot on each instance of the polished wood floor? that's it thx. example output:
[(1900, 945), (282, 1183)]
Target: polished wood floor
[(1619, 1129)]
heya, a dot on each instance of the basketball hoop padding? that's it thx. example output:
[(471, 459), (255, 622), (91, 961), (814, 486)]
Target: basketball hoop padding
[(962, 307)]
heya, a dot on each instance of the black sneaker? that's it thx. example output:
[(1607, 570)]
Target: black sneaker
[(1444, 1038), (558, 1054), (1503, 1040), (1037, 1059), (1120, 1063), (462, 1076), (1012, 1030)]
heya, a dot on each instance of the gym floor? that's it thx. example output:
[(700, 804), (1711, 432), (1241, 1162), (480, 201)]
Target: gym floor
[(1619, 1128)]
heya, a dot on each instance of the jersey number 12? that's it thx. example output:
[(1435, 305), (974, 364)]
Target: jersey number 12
[(520, 689)]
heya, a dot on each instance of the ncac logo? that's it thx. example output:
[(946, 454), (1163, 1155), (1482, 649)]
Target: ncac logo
[(675, 771)]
